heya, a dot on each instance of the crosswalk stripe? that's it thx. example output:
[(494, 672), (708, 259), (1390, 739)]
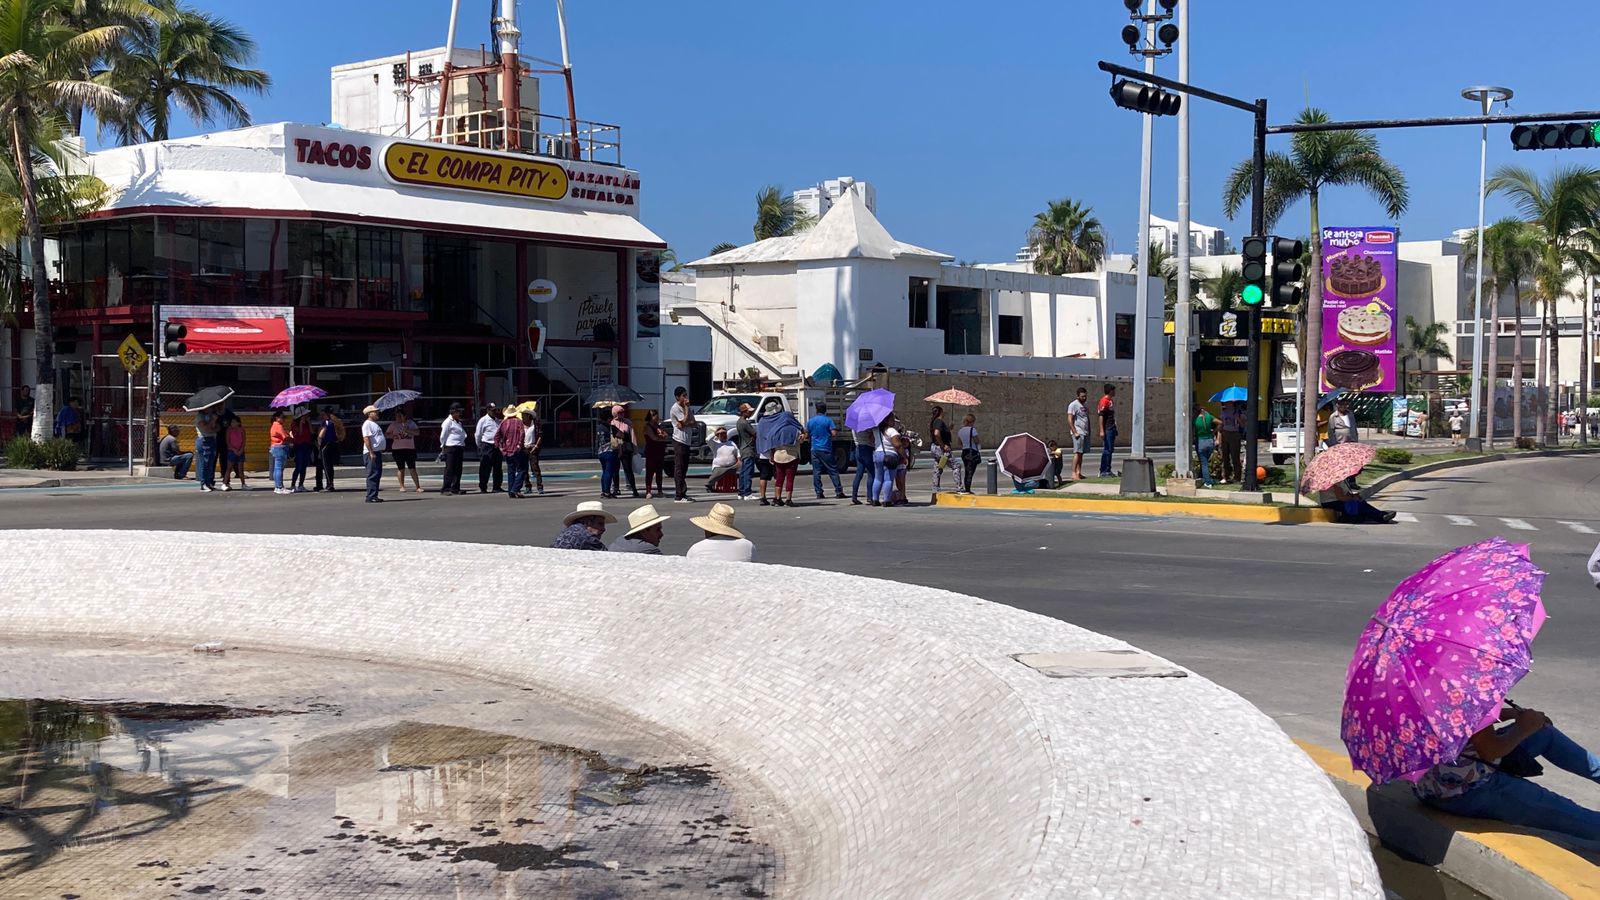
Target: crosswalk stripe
[(1579, 527), (1460, 520), (1405, 517), (1518, 524)]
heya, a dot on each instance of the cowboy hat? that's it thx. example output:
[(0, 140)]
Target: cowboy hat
[(586, 509), (370, 409), (784, 455), (719, 521), (642, 518)]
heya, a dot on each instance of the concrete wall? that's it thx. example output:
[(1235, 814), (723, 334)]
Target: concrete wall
[(1013, 404), (909, 753)]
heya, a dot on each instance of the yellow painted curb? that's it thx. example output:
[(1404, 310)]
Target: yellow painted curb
[(1237, 512), (1551, 863)]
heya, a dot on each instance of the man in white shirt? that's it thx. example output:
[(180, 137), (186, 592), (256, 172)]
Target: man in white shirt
[(452, 446), (489, 462), (722, 541), (1078, 418), (373, 443), (724, 457), (682, 418)]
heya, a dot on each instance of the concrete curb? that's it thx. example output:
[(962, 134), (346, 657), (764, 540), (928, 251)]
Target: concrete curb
[(1235, 512), (1373, 489), (1497, 863)]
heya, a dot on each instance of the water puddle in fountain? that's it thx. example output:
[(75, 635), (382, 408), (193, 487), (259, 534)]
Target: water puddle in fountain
[(267, 774)]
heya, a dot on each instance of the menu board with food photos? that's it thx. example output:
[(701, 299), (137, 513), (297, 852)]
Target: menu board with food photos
[(1358, 308)]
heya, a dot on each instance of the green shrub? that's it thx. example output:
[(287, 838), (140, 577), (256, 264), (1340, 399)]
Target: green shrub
[(1527, 443), (1165, 471), (22, 453), (58, 454), (1276, 475), (1394, 456)]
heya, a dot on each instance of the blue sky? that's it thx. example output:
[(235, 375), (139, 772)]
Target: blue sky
[(969, 117)]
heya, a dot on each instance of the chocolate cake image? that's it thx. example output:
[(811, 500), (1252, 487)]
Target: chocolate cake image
[(1355, 276), (1352, 369), (1361, 325)]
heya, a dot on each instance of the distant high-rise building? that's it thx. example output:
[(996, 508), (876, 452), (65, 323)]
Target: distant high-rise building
[(816, 201), (1204, 240)]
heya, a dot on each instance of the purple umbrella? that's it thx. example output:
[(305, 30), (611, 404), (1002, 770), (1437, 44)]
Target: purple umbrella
[(1435, 662), (296, 395), (869, 410)]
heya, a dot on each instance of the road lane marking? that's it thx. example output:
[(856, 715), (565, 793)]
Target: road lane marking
[(1579, 527), (1518, 524), (1461, 520), (1405, 517)]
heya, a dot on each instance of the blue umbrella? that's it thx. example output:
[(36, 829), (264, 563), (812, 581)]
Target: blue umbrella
[(1233, 394), (395, 398), (869, 410), (1329, 398)]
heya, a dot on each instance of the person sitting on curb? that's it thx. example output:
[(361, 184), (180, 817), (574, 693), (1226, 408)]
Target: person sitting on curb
[(1350, 509), (644, 532), (583, 527), (722, 540), (1489, 780), (168, 455)]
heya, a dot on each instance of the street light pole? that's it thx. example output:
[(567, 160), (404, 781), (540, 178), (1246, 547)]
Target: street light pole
[(1485, 95), (1183, 376), (1141, 259)]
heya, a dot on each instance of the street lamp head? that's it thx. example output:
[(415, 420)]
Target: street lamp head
[(1487, 93), (1130, 35), (1132, 5)]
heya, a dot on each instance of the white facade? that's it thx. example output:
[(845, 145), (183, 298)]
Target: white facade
[(373, 95), (816, 201), (849, 294), (1204, 240)]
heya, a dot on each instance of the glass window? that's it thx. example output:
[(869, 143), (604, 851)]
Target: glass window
[(339, 264), (1010, 329), (379, 265), (303, 276), (219, 259), (918, 302), (729, 405), (92, 274), (265, 259), (1124, 336)]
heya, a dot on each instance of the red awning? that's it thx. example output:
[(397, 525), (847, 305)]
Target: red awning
[(247, 337)]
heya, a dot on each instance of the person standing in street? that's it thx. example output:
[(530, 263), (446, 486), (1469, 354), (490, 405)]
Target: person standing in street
[(25, 407), (1342, 425), (682, 418), (971, 449), (583, 528), (233, 444), (885, 461), (943, 455), (402, 435), (489, 460), (205, 449), (1078, 421), (622, 440), (1108, 429), (279, 440), (1456, 423), (1232, 431), (1205, 441), (532, 444), (644, 532), (655, 454), (300, 439), (167, 454), (508, 440), (329, 434), (373, 443), (452, 447), (744, 434), (820, 427), (865, 443), (722, 541)]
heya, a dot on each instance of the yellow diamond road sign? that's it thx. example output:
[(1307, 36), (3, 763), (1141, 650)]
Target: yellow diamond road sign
[(132, 355)]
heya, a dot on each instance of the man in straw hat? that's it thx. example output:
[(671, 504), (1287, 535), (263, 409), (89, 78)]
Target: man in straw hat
[(644, 532), (373, 443), (584, 526), (722, 540)]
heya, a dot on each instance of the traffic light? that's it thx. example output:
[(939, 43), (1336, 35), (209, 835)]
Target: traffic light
[(1287, 271), (1253, 266), (175, 345), (1556, 136), (1145, 98)]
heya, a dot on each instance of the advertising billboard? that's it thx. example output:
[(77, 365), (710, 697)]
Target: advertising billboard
[(1358, 308)]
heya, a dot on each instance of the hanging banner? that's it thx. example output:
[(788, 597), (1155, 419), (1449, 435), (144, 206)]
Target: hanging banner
[(647, 295), (1359, 266)]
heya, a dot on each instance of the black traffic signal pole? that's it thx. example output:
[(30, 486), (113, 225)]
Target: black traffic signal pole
[(1505, 119), (1258, 226)]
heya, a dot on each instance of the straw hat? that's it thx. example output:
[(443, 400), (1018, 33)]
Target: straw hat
[(370, 409), (643, 518), (586, 509), (784, 455), (719, 521)]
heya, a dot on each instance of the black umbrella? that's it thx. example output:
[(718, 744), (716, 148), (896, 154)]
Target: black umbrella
[(207, 398), (609, 394)]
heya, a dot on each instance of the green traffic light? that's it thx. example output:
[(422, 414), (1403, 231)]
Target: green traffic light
[(1594, 131), (1252, 295)]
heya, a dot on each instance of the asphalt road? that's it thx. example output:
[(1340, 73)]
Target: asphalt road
[(1269, 611)]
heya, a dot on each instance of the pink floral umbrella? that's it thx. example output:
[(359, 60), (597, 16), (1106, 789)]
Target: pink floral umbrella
[(1335, 464), (1434, 664)]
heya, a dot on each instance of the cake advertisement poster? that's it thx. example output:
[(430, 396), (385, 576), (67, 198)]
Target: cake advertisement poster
[(1358, 301)]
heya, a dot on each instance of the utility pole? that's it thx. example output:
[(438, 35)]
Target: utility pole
[(1183, 376), (1141, 258)]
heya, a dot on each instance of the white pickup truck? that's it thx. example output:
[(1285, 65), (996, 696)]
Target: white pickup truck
[(722, 411)]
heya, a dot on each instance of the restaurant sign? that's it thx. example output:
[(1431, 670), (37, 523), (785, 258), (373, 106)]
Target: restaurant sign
[(443, 165)]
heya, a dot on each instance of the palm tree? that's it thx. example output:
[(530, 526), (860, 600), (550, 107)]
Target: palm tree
[(1560, 207), (41, 66), (1066, 238), (1224, 287), (182, 59), (85, 15), (1421, 342), (1161, 263), (777, 215), (61, 198), (1318, 160), (722, 247), (1511, 251)]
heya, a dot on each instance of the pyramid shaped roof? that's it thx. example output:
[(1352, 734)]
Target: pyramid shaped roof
[(849, 230)]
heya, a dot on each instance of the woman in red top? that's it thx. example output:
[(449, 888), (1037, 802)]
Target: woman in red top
[(279, 441), (300, 435)]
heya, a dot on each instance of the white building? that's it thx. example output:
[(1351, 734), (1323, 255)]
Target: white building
[(1204, 240), (846, 292), (816, 201)]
